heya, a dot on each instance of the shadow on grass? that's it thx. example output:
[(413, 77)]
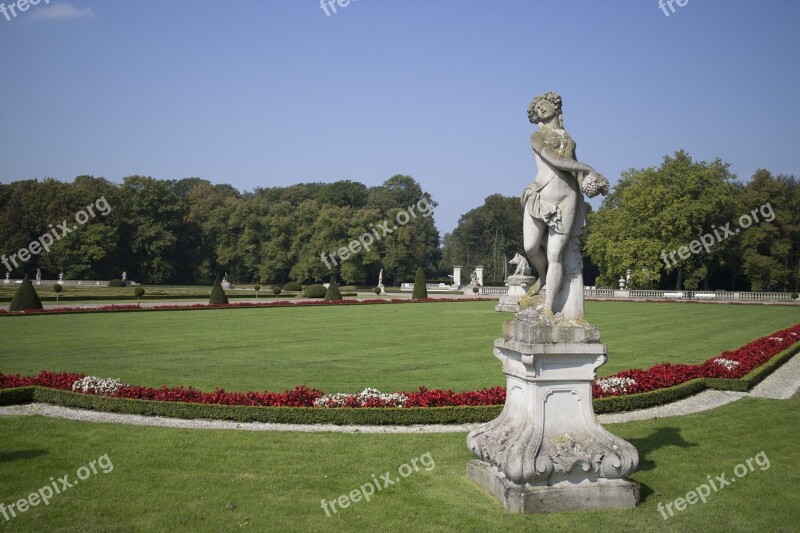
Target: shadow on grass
[(6, 457), (660, 438)]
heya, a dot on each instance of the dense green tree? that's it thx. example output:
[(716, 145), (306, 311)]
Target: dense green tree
[(486, 236), (152, 225), (654, 212), (770, 247)]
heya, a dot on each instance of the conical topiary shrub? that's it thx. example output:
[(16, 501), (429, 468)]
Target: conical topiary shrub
[(26, 297), (218, 295), (420, 289), (333, 292)]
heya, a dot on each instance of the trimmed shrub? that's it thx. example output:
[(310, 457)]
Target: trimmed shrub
[(218, 295), (17, 396), (116, 283), (420, 289), (26, 297), (315, 291), (57, 289), (138, 292), (377, 290), (293, 286), (333, 292), (795, 295), (276, 291)]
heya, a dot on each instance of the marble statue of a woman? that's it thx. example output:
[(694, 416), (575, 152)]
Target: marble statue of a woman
[(555, 212)]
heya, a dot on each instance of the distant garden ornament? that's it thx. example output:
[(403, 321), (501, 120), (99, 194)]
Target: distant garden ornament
[(523, 268)]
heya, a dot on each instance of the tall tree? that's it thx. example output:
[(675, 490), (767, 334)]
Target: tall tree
[(653, 213), (770, 247)]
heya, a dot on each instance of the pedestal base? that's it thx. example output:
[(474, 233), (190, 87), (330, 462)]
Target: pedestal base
[(527, 499), (546, 452), (517, 287)]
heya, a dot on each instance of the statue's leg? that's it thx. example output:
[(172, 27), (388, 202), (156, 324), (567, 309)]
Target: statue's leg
[(555, 274), (533, 231)]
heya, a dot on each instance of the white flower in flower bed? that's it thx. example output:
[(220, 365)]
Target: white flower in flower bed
[(730, 364), (616, 385), (340, 399), (101, 386), (779, 339)]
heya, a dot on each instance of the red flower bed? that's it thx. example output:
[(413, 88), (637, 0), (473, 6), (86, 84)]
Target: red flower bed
[(731, 365), (740, 362)]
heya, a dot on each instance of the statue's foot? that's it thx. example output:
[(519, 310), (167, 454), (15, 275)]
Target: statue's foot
[(535, 289), (549, 315)]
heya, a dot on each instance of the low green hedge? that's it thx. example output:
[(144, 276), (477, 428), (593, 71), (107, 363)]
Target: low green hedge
[(315, 291), (16, 396), (381, 416), (643, 400)]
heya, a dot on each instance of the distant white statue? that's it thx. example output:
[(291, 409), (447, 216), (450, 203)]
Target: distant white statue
[(38, 276), (473, 280), (60, 277), (124, 276), (380, 283), (523, 267)]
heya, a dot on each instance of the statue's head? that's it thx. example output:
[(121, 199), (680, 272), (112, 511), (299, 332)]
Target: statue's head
[(544, 107)]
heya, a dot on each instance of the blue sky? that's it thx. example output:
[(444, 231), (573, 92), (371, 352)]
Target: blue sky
[(268, 93)]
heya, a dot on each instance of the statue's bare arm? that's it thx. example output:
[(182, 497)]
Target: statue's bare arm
[(563, 163)]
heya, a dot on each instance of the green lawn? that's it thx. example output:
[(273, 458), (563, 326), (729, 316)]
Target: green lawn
[(347, 348), (196, 480)]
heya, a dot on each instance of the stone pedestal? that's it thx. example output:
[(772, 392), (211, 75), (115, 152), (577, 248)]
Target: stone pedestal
[(517, 287), (546, 452)]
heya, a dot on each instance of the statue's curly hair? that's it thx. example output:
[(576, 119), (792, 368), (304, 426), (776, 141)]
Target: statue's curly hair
[(552, 98)]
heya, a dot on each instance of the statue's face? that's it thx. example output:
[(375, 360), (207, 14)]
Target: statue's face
[(545, 110)]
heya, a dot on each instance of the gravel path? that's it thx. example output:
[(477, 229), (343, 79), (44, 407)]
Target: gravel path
[(780, 385)]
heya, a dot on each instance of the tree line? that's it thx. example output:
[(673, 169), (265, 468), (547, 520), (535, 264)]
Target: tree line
[(673, 226), (190, 230)]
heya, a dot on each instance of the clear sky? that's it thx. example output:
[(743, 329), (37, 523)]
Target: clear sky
[(260, 93)]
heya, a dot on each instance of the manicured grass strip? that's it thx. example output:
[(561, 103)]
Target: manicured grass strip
[(193, 480), (346, 349)]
